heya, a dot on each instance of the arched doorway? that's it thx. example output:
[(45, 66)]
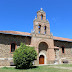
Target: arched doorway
[(41, 59), (42, 52)]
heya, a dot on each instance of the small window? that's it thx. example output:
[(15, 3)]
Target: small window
[(45, 30), (63, 51), (39, 27), (13, 47), (41, 17)]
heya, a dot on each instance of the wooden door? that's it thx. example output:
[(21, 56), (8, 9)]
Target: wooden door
[(41, 59)]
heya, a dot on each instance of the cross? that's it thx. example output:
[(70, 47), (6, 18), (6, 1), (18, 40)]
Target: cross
[(41, 8)]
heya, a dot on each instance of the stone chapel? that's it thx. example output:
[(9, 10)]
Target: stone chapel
[(50, 49)]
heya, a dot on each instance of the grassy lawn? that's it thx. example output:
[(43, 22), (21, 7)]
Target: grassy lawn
[(65, 65), (38, 69)]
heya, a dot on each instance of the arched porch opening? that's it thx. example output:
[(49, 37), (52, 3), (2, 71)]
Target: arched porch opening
[(42, 49)]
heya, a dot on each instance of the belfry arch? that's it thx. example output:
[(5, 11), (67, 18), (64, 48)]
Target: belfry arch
[(42, 50)]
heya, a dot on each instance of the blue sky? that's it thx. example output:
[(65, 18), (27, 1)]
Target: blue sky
[(18, 15)]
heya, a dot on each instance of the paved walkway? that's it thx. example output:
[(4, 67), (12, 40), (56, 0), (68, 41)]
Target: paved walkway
[(70, 68), (6, 66)]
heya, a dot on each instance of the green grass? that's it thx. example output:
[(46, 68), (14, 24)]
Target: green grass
[(38, 69), (65, 65)]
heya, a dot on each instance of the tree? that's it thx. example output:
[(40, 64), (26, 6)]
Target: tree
[(24, 56)]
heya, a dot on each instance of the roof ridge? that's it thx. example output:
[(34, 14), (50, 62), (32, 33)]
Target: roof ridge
[(14, 31), (61, 37), (26, 33)]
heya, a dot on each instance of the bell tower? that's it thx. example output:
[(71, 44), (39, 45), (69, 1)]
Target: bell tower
[(42, 39), (41, 25)]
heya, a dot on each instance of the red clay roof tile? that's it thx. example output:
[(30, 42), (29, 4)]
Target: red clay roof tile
[(16, 32), (25, 33), (60, 38)]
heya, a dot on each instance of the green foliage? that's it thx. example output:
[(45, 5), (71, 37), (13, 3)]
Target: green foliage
[(24, 56)]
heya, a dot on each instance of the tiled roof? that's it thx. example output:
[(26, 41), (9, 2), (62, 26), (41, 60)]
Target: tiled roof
[(15, 33), (62, 39), (29, 34)]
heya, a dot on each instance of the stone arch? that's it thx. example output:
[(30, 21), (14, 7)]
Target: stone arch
[(42, 50), (42, 46), (42, 40)]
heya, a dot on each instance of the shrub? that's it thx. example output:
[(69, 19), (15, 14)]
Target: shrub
[(24, 56)]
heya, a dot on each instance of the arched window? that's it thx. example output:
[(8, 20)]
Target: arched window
[(41, 17), (45, 30), (39, 27), (13, 45), (63, 49)]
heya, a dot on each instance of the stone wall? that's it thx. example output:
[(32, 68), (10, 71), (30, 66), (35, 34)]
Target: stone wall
[(5, 44), (67, 56), (6, 57)]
